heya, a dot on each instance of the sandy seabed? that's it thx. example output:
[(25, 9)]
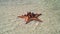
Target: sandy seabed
[(10, 24)]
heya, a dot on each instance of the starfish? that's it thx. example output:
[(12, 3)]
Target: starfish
[(30, 17)]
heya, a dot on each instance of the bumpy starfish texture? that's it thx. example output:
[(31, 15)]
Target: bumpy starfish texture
[(30, 17)]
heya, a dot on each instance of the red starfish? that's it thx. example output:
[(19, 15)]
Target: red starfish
[(30, 17)]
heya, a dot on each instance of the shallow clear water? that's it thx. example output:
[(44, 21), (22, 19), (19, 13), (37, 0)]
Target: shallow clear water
[(10, 9)]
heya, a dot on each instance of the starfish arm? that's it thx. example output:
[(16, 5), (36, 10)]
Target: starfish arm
[(37, 15), (38, 20), (27, 22), (21, 16)]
